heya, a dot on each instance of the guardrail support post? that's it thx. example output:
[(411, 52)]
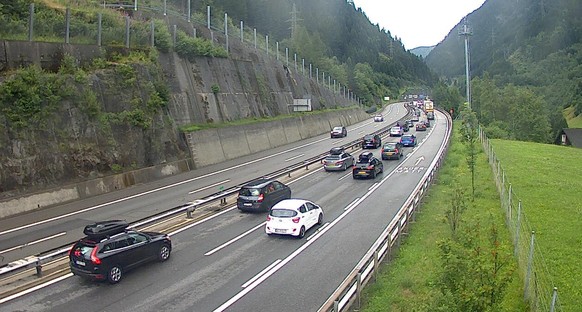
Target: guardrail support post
[(223, 201), (359, 289), (376, 264), (336, 306), (189, 212), (38, 268)]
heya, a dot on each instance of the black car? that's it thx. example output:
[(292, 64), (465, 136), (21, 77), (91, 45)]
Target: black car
[(110, 249), (371, 141), (261, 195), (410, 123), (367, 166)]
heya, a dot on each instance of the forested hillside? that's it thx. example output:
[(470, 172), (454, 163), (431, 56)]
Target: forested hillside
[(525, 60), (339, 39)]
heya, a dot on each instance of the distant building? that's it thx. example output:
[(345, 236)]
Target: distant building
[(571, 136)]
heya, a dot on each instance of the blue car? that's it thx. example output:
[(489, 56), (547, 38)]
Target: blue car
[(408, 140)]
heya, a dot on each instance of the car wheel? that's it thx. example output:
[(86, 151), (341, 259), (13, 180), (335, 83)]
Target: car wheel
[(345, 167), (115, 274), (164, 253), (301, 232), (320, 219)]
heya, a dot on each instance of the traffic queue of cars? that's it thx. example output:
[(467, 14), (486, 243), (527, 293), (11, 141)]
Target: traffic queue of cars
[(111, 248)]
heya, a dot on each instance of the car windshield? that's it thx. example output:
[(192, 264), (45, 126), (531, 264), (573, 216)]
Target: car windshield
[(337, 129), (407, 137), (395, 128), (368, 137), (389, 146), (249, 192), (283, 213), (333, 157)]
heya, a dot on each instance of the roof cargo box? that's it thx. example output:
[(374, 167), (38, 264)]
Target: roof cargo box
[(105, 228), (336, 150)]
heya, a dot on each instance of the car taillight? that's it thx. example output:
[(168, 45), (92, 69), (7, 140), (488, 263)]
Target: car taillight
[(261, 197), (94, 257), (382, 151), (396, 151), (268, 218), (340, 162), (296, 220), (370, 167)]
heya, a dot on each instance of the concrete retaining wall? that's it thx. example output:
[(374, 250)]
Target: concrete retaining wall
[(208, 147), (216, 145)]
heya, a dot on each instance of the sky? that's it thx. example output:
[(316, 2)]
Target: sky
[(417, 22)]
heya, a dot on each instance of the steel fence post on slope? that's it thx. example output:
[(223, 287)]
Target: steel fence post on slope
[(152, 34), (208, 17), (127, 32), (99, 28), (509, 203), (31, 22), (189, 11), (67, 25), (529, 266), (517, 226), (242, 33), (554, 298)]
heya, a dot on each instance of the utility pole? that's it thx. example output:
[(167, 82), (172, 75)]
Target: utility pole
[(467, 32), (294, 19)]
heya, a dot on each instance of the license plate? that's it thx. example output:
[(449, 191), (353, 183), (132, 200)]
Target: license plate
[(81, 263), (280, 231), (362, 172), (247, 204)]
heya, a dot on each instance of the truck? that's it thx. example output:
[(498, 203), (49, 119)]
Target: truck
[(428, 106)]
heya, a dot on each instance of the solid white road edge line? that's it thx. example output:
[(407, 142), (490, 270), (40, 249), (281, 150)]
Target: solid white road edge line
[(33, 242), (254, 278), (209, 186), (155, 190), (22, 293), (294, 157), (257, 282), (234, 239)]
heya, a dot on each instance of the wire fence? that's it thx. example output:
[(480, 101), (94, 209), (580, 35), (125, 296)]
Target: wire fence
[(134, 27), (540, 291)]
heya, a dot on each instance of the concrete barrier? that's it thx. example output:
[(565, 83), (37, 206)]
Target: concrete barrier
[(207, 147)]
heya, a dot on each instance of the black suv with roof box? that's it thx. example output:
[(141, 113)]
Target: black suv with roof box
[(261, 195), (110, 249), (367, 166)]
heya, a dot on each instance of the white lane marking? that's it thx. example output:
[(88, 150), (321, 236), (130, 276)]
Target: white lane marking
[(209, 186), (345, 175), (373, 185), (235, 239), (263, 277), (254, 278), (289, 159), (35, 288), (336, 142), (352, 203), (155, 190), (299, 250), (33, 242), (319, 229), (201, 221)]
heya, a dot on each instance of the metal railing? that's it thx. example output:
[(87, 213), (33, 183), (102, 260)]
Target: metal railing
[(539, 289), (39, 260), (348, 293)]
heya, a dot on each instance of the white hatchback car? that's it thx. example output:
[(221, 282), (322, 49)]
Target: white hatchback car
[(293, 217), (396, 131), (378, 118)]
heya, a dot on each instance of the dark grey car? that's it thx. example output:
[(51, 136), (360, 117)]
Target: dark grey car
[(261, 195)]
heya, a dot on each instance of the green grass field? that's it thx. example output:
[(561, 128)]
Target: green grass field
[(573, 120), (548, 179), (408, 282)]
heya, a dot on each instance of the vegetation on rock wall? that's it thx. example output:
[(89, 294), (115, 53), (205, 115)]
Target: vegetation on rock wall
[(92, 121)]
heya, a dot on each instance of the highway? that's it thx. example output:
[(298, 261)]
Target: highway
[(227, 262)]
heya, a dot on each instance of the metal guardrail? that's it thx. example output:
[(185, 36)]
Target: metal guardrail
[(349, 290), (37, 261)]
